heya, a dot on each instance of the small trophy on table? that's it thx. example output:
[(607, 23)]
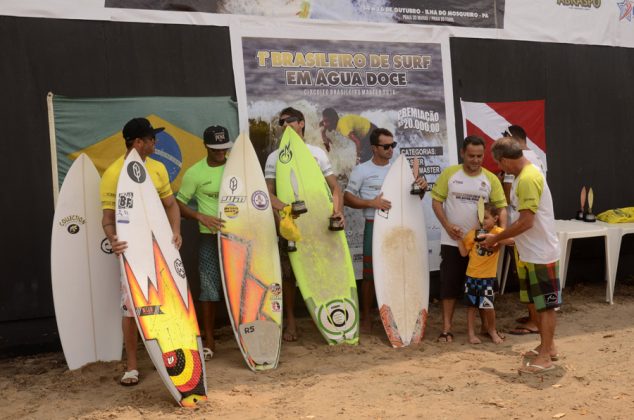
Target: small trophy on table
[(416, 190), (482, 230), (589, 217), (581, 211)]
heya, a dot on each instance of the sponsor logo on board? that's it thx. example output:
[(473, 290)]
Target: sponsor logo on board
[(275, 306), (231, 211), (233, 184), (276, 289), (286, 154), (136, 172), (106, 247), (125, 200), (233, 199), (73, 219), (149, 310), (260, 200), (73, 228), (179, 267), (122, 216)]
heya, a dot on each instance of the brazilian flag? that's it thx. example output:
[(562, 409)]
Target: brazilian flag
[(93, 126)]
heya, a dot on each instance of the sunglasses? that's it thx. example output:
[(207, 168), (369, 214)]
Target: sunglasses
[(287, 120), (387, 146)]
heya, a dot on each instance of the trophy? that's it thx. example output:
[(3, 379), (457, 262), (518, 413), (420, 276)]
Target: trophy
[(482, 230), (416, 190), (298, 206), (589, 217), (583, 204), (335, 223)]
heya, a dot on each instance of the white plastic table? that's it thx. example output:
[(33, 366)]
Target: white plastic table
[(616, 231), (568, 230)]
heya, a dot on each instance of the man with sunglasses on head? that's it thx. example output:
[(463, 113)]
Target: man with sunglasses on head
[(138, 134), (291, 117), (363, 192), (455, 199), (201, 183)]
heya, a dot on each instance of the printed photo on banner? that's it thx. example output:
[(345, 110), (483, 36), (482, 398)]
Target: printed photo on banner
[(471, 13), (346, 89)]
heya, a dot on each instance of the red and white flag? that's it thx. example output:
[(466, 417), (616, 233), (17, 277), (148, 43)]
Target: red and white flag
[(490, 120)]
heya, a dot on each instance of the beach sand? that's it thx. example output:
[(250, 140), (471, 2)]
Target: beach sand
[(370, 381)]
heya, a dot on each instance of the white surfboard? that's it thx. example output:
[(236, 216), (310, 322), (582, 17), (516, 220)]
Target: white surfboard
[(156, 280), (249, 258), (84, 272), (399, 256)]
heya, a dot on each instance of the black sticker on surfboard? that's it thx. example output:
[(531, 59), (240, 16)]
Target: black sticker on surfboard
[(125, 200), (136, 172), (73, 228), (286, 154), (180, 269), (105, 246)]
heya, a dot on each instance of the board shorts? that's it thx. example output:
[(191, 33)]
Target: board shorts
[(285, 261), (539, 284), (127, 309), (368, 271), (209, 268), (479, 292), (453, 268)]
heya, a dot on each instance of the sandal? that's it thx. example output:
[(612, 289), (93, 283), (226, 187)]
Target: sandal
[(130, 378), (534, 353), (207, 353), (445, 337)]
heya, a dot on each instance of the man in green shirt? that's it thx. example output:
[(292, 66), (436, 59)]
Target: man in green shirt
[(201, 183)]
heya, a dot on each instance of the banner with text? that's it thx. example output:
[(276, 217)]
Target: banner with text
[(346, 89), (470, 13)]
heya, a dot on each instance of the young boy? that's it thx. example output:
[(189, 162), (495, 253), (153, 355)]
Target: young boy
[(481, 276)]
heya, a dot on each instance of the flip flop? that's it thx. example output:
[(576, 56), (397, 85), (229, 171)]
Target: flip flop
[(445, 337), (534, 353), (534, 368), (207, 353), (523, 331), (130, 378)]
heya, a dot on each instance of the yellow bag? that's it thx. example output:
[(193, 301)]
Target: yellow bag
[(288, 228), (623, 215)]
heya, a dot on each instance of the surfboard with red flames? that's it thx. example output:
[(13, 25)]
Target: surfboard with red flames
[(155, 278)]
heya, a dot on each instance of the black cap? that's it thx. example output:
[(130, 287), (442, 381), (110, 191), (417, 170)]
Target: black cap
[(217, 137), (139, 128)]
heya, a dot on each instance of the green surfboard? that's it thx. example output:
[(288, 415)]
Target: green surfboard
[(322, 263)]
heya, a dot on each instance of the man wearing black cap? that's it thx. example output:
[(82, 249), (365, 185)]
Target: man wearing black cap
[(201, 182), (138, 134)]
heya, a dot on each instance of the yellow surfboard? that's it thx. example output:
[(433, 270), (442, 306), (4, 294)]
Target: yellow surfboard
[(249, 258), (322, 263)]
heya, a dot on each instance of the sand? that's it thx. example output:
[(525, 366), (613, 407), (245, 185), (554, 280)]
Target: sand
[(370, 381)]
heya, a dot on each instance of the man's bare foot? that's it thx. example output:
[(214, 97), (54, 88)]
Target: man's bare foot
[(210, 343), (473, 339), (290, 334), (495, 337)]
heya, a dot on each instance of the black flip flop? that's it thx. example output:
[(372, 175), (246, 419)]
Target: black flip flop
[(444, 337), (523, 331)]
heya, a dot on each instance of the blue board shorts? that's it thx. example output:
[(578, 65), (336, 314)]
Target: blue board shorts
[(209, 268), (479, 292)]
